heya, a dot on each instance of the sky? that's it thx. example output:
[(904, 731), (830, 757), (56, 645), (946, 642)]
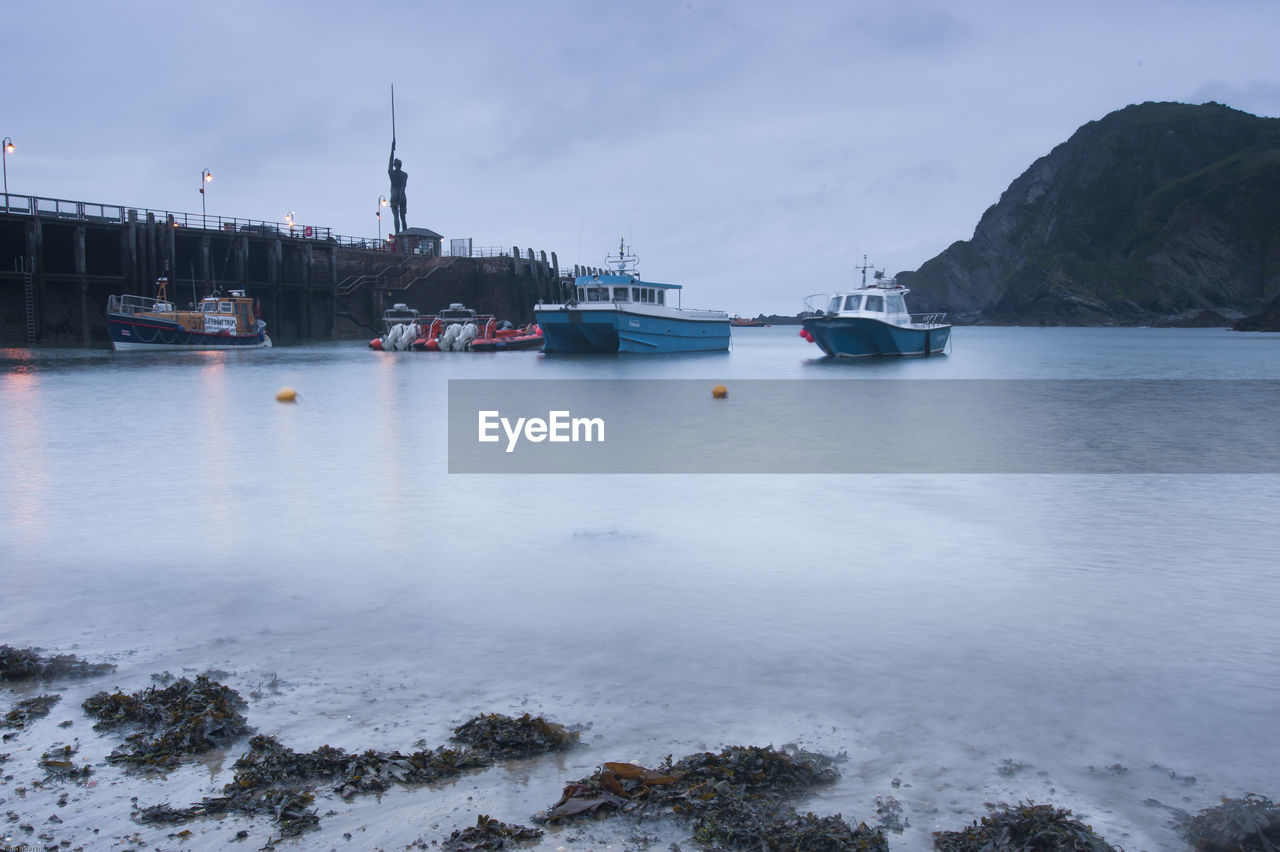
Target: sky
[(753, 152)]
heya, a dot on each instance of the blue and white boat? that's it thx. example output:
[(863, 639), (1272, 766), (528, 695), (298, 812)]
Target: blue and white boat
[(616, 311), (873, 320)]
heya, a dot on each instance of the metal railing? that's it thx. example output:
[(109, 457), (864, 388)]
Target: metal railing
[(131, 304), (929, 320), (84, 211)]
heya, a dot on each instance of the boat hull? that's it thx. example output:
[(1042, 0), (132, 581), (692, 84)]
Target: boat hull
[(572, 330), (130, 333), (861, 337)]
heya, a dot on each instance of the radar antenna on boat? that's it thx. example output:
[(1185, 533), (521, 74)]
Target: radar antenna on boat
[(624, 262)]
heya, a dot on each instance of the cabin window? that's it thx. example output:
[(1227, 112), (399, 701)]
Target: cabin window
[(661, 296), (895, 303), (597, 294), (635, 294), (875, 303), (852, 303), (224, 307), (582, 295), (834, 305), (620, 294)]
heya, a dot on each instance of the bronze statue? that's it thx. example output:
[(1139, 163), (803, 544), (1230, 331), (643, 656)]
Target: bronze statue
[(399, 178)]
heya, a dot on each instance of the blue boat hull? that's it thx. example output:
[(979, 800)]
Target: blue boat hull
[(569, 330), (860, 337), (130, 333)]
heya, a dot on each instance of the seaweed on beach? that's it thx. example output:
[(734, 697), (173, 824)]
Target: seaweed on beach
[(740, 797), (1023, 827), (59, 766), (503, 738), (488, 834), (1248, 824), (28, 710), (273, 780), (24, 663), (184, 719)]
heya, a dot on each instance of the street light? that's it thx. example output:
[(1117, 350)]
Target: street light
[(205, 177), (288, 218), (382, 202), (8, 149)]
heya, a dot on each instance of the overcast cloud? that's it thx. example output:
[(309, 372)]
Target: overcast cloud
[(751, 151)]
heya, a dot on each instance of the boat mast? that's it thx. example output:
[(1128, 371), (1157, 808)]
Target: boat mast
[(864, 267)]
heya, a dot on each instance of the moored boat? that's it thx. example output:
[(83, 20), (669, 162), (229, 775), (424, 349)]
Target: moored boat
[(873, 320), (744, 322), (509, 339), (456, 328), (220, 321), (619, 312)]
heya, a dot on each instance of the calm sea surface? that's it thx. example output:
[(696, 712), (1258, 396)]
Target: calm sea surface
[(1092, 641)]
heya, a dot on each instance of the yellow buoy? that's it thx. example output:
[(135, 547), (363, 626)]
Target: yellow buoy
[(287, 395), (719, 391)]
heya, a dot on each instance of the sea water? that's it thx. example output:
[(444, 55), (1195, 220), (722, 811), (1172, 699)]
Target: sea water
[(1104, 642)]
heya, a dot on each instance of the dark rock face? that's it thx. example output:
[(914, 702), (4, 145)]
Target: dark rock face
[(1152, 215), (1268, 319)]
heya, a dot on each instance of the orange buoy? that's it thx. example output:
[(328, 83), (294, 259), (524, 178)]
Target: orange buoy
[(719, 391), (287, 395)]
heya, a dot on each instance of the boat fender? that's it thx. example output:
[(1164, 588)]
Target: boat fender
[(804, 332), (433, 344), (376, 344)]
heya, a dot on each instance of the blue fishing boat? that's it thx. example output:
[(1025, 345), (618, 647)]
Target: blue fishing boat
[(873, 320), (220, 321), (616, 311)]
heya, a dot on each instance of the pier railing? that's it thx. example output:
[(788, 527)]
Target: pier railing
[(84, 211)]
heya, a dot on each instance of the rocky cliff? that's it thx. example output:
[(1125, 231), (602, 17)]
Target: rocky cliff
[(1154, 214)]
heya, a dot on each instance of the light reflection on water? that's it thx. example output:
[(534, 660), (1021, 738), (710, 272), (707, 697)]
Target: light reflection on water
[(165, 511)]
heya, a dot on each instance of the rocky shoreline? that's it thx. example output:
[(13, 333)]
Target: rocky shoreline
[(740, 797)]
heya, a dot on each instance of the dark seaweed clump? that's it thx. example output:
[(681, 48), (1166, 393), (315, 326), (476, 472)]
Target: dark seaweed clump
[(59, 766), (740, 797), (503, 738), (273, 780), (185, 718), (23, 663), (488, 834), (28, 710), (1023, 827), (1248, 824)]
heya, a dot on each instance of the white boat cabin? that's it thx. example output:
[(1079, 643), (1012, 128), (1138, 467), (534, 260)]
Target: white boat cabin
[(875, 302)]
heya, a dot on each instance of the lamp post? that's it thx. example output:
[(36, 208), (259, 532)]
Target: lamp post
[(288, 219), (205, 177), (7, 149), (382, 202)]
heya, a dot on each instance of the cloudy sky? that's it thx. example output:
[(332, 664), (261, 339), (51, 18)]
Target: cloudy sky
[(752, 151)]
